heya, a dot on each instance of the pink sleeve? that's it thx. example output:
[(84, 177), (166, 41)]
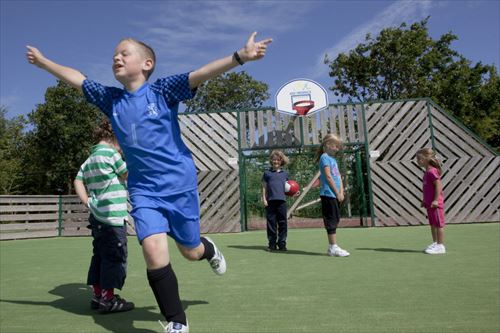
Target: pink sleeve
[(434, 175)]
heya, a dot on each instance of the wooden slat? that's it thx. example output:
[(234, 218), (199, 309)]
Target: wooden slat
[(342, 130), (218, 149), (271, 129), (28, 208), (261, 130), (32, 234), (323, 122), (350, 125), (243, 130), (472, 144), (28, 199), (360, 129), (28, 217), (9, 227), (333, 120), (251, 129)]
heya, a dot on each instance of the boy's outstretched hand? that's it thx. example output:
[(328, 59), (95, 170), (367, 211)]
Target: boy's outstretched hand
[(34, 56), (69, 75), (254, 50)]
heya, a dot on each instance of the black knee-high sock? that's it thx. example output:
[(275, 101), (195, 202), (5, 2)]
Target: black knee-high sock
[(163, 282), (209, 249)]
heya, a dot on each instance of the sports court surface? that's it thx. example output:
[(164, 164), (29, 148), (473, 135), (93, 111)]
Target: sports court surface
[(386, 285)]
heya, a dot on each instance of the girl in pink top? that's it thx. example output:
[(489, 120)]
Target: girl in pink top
[(433, 199)]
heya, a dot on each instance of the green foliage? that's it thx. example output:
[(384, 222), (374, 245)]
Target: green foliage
[(231, 91), (11, 140), (59, 142), (407, 63)]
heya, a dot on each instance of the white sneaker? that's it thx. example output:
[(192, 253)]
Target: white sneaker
[(218, 263), (173, 327), (336, 251), (437, 249), (430, 246)]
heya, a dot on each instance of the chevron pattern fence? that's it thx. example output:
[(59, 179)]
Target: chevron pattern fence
[(470, 169), (396, 129), (213, 141)]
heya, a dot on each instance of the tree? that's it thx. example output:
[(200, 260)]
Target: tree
[(11, 139), (60, 140), (407, 63), (231, 91)]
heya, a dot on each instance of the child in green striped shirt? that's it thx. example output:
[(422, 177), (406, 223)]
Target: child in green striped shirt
[(100, 185)]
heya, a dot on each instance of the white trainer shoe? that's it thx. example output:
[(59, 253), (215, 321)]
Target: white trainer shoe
[(336, 251), (218, 263), (173, 327), (437, 249), (430, 246)]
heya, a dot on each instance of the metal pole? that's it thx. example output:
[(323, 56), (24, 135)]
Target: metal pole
[(359, 172), (59, 217), (241, 167), (431, 126), (368, 167)]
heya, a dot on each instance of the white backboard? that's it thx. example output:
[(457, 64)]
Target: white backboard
[(301, 97)]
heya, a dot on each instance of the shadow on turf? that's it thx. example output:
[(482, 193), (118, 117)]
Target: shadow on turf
[(75, 299), (384, 249), (264, 248)]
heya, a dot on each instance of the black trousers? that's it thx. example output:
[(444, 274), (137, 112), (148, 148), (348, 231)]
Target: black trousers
[(277, 229), (108, 266)]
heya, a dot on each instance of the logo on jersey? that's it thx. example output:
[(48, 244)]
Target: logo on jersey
[(152, 110)]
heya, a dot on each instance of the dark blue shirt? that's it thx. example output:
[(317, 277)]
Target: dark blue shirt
[(275, 184)]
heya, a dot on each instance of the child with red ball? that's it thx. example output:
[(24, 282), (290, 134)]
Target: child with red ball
[(274, 200)]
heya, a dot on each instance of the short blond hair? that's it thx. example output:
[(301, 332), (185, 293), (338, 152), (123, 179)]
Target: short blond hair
[(146, 50)]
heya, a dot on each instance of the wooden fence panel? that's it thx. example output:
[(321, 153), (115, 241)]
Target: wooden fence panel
[(214, 156), (397, 129), (470, 169)]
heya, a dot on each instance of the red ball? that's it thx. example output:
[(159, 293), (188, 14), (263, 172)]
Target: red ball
[(291, 188)]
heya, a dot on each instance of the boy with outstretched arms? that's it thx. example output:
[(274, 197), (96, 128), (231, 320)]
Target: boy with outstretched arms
[(162, 179)]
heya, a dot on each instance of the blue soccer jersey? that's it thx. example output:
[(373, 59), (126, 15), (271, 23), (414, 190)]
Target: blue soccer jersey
[(146, 126), (327, 160)]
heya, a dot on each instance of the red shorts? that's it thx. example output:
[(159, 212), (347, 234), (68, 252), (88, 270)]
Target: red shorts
[(436, 217)]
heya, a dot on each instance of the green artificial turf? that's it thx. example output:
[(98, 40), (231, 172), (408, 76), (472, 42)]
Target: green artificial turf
[(386, 285)]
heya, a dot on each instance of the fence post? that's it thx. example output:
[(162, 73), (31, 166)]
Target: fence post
[(359, 178), (368, 167), (59, 215)]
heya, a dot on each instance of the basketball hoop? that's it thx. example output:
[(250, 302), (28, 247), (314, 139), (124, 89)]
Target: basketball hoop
[(301, 97), (303, 107)]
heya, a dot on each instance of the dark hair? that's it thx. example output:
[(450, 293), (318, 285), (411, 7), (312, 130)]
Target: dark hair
[(146, 50), (430, 156), (104, 131)]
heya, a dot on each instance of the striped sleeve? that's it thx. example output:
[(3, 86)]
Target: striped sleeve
[(118, 164), (79, 175)]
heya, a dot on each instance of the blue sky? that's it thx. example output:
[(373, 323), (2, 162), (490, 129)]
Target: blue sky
[(188, 34)]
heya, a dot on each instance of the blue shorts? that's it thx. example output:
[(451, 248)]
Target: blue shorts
[(178, 215)]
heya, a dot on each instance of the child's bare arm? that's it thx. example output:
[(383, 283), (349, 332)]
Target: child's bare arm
[(69, 75), (438, 187), (81, 191), (264, 194), (329, 179), (251, 51)]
